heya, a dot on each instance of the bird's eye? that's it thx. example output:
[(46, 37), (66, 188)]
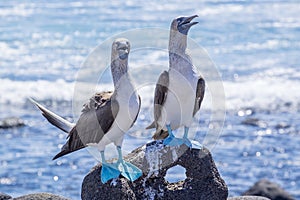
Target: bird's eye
[(179, 19)]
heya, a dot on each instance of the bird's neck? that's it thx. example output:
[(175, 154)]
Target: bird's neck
[(179, 60), (124, 87), (177, 42), (119, 71)]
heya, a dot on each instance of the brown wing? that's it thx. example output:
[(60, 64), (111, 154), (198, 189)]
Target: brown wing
[(160, 95), (95, 120), (137, 112), (199, 94)]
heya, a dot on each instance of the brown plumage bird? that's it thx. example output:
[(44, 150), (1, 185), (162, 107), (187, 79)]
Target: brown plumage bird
[(105, 118)]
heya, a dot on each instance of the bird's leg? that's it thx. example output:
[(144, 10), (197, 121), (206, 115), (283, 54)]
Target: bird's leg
[(171, 140), (128, 170), (120, 158), (103, 157), (190, 143), (170, 131), (186, 140), (109, 170)]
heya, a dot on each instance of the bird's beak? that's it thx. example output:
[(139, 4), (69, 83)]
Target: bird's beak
[(123, 53), (185, 25), (187, 21)]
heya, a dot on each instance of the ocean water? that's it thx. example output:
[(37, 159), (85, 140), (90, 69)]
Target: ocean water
[(255, 46)]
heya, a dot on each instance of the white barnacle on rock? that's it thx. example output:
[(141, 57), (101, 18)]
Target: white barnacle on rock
[(174, 154), (161, 192), (150, 193), (114, 182), (153, 157)]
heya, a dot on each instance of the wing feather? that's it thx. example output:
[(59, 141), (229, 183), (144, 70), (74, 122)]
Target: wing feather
[(160, 95), (199, 94), (95, 120), (137, 112)]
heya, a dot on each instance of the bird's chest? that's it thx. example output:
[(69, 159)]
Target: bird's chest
[(128, 108), (179, 105), (182, 88)]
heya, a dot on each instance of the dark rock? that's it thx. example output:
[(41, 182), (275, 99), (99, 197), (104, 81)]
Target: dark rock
[(282, 125), (268, 189), (11, 122), (255, 122), (4, 196), (202, 178), (41, 196), (288, 104), (248, 198)]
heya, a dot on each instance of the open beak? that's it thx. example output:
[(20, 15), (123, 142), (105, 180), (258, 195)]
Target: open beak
[(187, 21), (185, 24)]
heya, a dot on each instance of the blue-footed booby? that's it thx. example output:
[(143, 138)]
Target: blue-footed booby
[(180, 90), (105, 118)]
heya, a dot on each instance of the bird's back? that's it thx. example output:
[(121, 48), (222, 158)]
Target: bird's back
[(95, 120)]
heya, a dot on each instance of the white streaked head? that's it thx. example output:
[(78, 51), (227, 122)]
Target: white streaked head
[(120, 48)]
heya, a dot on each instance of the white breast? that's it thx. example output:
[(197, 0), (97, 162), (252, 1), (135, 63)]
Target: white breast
[(128, 110), (179, 105)]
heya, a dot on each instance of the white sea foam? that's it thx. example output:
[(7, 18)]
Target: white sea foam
[(267, 89), (16, 92), (17, 10), (266, 92)]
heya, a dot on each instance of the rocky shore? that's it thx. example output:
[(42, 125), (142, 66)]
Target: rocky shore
[(202, 181), (11, 122), (37, 196)]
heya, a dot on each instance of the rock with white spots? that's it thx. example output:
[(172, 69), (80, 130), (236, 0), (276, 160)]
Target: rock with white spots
[(202, 182)]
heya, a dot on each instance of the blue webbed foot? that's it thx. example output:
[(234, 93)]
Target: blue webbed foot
[(173, 141), (109, 171), (129, 171), (187, 142)]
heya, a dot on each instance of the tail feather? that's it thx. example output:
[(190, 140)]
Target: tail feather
[(74, 143), (60, 154), (152, 125), (160, 134), (64, 152), (53, 118)]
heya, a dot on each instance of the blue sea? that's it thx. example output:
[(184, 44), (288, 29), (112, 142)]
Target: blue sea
[(255, 48)]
